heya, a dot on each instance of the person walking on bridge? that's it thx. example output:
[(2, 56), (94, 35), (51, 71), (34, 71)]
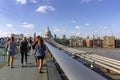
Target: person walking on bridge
[(11, 47), (40, 53), (33, 47), (24, 50)]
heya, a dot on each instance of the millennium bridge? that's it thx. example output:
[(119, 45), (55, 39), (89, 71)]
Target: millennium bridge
[(63, 63)]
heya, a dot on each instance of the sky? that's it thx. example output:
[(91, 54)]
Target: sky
[(70, 17)]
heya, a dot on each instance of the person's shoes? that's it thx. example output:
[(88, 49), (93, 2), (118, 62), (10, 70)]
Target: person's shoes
[(11, 66), (40, 71)]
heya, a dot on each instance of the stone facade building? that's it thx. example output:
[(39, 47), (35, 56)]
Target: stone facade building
[(108, 42)]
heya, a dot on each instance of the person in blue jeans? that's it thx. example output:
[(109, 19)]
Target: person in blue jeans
[(40, 53)]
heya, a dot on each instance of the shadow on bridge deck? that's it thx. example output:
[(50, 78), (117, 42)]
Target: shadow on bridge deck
[(28, 72)]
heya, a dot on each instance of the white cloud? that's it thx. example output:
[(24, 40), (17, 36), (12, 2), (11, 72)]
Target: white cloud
[(87, 24), (78, 33), (87, 1), (5, 34), (9, 25), (28, 25), (21, 1), (25, 23), (77, 27), (31, 34), (55, 27), (34, 1), (47, 1), (59, 30), (27, 35), (45, 8), (105, 27), (73, 21)]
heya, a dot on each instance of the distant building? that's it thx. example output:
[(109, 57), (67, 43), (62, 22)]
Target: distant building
[(89, 43), (97, 43), (55, 36), (117, 43), (108, 42), (81, 43), (76, 42), (64, 37), (34, 37), (17, 36), (47, 34)]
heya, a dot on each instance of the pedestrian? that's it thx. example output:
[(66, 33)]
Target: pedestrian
[(40, 53), (33, 47), (11, 51), (23, 50)]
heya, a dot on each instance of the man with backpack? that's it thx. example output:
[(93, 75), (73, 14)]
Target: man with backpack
[(24, 50)]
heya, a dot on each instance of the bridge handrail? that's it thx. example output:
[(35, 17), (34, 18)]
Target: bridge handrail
[(72, 68)]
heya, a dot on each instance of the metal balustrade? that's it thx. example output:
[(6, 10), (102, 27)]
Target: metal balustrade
[(113, 61), (105, 62), (72, 68), (100, 62)]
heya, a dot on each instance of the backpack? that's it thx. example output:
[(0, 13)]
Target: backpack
[(24, 45)]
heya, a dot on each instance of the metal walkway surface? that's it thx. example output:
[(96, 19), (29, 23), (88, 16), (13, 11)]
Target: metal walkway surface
[(28, 72)]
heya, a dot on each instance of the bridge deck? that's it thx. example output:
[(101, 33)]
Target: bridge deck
[(28, 72)]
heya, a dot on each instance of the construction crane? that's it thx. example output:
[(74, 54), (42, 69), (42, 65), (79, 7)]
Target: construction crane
[(110, 29)]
